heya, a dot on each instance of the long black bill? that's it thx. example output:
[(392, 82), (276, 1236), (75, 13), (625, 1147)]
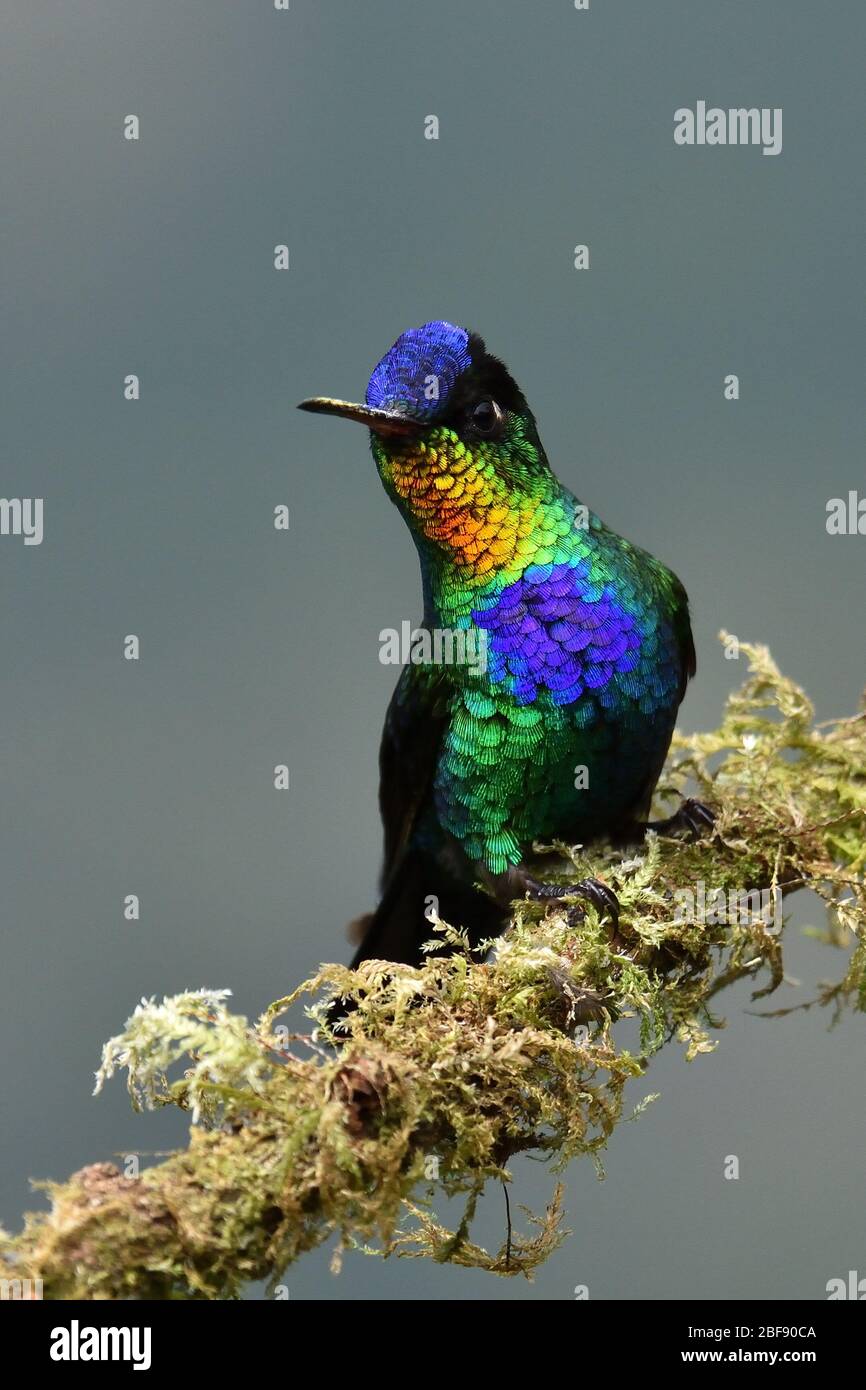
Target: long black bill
[(382, 421)]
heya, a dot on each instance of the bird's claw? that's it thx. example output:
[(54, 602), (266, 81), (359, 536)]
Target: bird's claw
[(693, 816), (698, 816), (602, 898), (592, 890)]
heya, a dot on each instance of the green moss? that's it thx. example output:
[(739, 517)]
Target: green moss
[(453, 1069)]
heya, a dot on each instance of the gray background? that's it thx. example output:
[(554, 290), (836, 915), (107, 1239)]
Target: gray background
[(257, 648)]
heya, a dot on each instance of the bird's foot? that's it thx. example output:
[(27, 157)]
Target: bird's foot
[(692, 816), (592, 890)]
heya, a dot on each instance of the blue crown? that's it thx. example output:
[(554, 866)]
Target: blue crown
[(419, 371)]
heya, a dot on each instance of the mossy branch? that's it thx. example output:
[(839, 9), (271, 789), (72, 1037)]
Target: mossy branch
[(453, 1069)]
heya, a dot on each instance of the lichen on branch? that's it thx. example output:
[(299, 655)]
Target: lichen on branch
[(451, 1070)]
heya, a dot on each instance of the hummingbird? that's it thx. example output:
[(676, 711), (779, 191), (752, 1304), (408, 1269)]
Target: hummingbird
[(561, 732)]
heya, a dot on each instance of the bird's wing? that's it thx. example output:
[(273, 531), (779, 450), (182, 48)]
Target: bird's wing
[(675, 603), (683, 630), (415, 723)]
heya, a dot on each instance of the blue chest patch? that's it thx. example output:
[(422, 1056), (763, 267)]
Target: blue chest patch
[(557, 631)]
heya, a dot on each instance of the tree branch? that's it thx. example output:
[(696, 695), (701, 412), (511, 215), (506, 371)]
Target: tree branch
[(453, 1069)]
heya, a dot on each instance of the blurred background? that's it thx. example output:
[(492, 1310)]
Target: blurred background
[(259, 647)]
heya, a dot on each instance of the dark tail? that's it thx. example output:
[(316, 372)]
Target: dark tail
[(399, 926)]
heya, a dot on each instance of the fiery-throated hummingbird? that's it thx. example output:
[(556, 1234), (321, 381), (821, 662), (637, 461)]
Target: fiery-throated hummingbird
[(562, 730)]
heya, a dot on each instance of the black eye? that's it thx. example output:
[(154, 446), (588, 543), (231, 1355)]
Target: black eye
[(486, 417)]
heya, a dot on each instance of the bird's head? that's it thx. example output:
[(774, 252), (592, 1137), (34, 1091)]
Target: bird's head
[(453, 438)]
